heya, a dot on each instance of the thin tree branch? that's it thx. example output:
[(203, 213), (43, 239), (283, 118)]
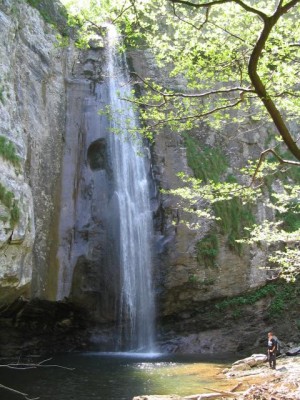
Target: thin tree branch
[(226, 31), (100, 28), (279, 158), (188, 22), (195, 95), (246, 7), (197, 116), (287, 92), (41, 364), (20, 366), (25, 395), (123, 10), (141, 103)]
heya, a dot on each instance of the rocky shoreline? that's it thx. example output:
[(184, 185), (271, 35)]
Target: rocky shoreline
[(253, 380), (279, 384)]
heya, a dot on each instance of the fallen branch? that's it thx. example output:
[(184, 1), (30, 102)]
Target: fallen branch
[(25, 395), (223, 392), (20, 366), (217, 395), (238, 385), (41, 364)]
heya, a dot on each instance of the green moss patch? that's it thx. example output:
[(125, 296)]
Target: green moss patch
[(281, 294), (207, 250), (233, 217), (7, 198), (8, 151), (210, 164)]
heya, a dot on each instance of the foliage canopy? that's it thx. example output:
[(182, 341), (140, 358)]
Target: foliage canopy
[(215, 56)]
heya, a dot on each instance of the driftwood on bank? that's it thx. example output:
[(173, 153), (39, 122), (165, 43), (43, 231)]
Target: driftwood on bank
[(217, 394)]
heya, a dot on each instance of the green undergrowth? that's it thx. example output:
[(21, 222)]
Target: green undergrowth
[(7, 198), (291, 219), (207, 250), (233, 217), (281, 294), (286, 171), (287, 174), (8, 151), (210, 164)]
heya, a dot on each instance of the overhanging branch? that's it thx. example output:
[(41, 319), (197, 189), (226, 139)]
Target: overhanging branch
[(195, 95), (245, 6), (197, 116), (277, 156), (123, 10)]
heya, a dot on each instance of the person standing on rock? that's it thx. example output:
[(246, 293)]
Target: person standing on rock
[(272, 346)]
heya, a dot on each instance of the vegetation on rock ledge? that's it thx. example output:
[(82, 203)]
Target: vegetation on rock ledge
[(7, 198), (8, 151), (281, 294)]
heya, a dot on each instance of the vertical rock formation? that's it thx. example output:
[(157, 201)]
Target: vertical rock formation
[(32, 119), (83, 267)]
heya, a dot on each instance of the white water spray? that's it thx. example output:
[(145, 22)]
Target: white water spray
[(132, 203)]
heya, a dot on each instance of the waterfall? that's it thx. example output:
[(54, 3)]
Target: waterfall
[(132, 212)]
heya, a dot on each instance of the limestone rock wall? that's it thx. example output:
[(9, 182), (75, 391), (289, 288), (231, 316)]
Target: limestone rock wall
[(184, 283), (86, 269), (32, 118)]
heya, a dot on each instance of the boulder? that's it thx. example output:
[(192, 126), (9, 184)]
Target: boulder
[(293, 352), (252, 361)]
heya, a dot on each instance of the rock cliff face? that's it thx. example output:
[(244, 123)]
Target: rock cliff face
[(86, 270), (55, 231), (32, 119), (182, 269), (186, 281)]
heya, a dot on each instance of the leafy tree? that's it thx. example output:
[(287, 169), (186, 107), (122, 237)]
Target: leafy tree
[(240, 54), (223, 55), (229, 54)]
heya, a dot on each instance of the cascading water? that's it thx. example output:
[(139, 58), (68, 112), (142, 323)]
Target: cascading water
[(131, 203)]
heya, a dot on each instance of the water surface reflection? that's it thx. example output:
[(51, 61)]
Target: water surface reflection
[(116, 376)]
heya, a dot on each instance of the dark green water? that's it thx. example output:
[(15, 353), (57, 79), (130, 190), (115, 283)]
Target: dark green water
[(105, 376)]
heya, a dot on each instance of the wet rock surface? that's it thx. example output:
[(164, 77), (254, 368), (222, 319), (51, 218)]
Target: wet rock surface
[(32, 107), (41, 327)]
